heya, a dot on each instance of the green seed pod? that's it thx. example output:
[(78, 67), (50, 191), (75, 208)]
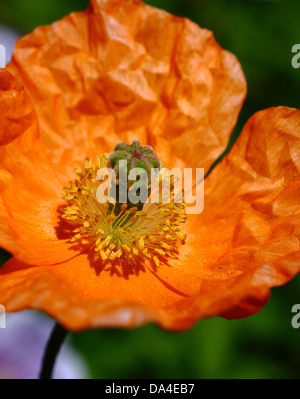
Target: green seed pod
[(135, 156)]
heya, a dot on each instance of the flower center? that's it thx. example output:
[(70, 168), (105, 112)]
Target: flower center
[(125, 231)]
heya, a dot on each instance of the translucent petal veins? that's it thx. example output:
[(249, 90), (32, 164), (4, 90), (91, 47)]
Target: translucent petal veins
[(153, 233)]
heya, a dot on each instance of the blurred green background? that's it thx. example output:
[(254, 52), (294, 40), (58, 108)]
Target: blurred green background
[(261, 34)]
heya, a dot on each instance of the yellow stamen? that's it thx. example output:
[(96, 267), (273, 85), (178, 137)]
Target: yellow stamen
[(152, 233)]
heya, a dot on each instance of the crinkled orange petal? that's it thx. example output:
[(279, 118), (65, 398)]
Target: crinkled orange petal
[(245, 242), (251, 218), (123, 70), (109, 297), (30, 193), (15, 107)]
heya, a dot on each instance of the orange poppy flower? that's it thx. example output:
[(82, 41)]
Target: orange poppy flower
[(124, 71)]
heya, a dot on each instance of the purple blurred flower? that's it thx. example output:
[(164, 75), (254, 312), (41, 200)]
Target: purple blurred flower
[(8, 38), (22, 345)]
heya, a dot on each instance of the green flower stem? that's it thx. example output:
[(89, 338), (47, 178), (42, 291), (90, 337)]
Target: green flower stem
[(54, 344)]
